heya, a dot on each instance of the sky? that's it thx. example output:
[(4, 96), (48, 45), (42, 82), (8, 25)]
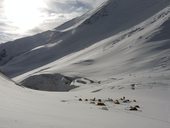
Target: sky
[(20, 18)]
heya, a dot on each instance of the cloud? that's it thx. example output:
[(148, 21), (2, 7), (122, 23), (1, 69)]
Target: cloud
[(55, 13), (69, 6), (1, 5), (60, 11)]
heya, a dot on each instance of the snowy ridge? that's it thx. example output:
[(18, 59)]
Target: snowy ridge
[(76, 22)]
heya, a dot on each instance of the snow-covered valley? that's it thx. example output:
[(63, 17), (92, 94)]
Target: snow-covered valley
[(118, 53), (21, 107)]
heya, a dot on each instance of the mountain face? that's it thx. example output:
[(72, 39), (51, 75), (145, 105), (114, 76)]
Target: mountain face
[(119, 37), (113, 17)]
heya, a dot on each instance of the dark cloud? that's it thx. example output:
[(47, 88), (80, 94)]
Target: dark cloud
[(4, 37), (72, 6), (35, 30), (5, 25), (2, 23), (68, 6)]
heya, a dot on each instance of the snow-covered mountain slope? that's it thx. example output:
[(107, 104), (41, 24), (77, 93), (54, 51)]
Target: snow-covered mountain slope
[(24, 108), (119, 53), (111, 18), (139, 55)]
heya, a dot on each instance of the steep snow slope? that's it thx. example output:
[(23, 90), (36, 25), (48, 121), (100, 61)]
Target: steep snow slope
[(21, 46), (111, 18), (139, 55)]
